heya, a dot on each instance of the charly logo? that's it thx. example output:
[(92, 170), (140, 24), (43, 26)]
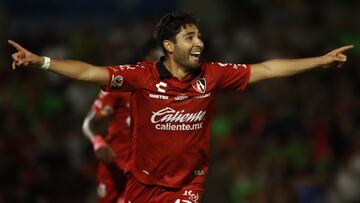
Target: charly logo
[(161, 87), (200, 85), (117, 81)]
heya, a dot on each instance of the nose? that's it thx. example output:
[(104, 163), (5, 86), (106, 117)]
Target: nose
[(198, 42)]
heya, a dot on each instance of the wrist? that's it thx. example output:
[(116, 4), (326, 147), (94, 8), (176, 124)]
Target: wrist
[(322, 62), (98, 142), (45, 63)]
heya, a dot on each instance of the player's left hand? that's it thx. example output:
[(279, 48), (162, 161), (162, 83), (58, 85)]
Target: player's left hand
[(336, 56)]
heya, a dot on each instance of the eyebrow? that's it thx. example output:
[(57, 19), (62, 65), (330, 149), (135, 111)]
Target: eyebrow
[(191, 33)]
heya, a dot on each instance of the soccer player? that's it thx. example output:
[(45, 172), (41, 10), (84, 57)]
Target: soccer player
[(113, 108), (172, 99)]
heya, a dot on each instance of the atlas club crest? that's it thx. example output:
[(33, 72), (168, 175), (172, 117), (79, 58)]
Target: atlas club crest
[(200, 85)]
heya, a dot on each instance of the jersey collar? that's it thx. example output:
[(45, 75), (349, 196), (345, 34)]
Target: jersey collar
[(162, 70)]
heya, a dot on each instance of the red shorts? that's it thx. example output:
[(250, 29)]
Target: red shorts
[(137, 192), (111, 183)]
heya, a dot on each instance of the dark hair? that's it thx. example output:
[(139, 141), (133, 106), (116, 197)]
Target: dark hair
[(170, 25)]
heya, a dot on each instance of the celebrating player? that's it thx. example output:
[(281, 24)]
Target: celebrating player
[(172, 100), (113, 150)]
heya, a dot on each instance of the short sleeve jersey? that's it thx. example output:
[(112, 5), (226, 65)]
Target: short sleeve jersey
[(116, 105), (171, 118)]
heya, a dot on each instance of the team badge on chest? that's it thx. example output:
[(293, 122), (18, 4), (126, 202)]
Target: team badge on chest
[(200, 85)]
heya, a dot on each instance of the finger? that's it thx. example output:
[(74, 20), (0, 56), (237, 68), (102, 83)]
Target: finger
[(21, 62), (344, 48), (13, 65), (16, 45), (25, 61), (15, 56), (335, 58), (342, 56)]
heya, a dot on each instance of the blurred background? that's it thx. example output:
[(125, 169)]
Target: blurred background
[(293, 139)]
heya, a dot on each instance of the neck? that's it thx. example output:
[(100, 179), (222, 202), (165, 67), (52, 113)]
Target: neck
[(175, 69)]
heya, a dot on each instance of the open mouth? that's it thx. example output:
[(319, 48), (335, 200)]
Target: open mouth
[(195, 55)]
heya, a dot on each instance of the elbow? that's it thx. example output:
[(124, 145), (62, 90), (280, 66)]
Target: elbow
[(260, 71), (86, 76), (267, 72), (267, 68)]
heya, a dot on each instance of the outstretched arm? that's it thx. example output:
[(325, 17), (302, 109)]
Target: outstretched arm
[(285, 67), (70, 68)]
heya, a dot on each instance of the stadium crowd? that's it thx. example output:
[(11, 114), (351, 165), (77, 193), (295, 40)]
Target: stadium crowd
[(285, 140)]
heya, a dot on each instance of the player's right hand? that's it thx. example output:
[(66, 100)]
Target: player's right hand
[(105, 154), (24, 58)]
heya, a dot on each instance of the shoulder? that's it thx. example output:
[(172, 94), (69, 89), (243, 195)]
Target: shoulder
[(222, 65), (213, 67), (139, 66), (146, 64)]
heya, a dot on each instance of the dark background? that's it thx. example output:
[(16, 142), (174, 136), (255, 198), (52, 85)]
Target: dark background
[(292, 139)]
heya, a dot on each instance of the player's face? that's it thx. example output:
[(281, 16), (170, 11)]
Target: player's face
[(188, 47)]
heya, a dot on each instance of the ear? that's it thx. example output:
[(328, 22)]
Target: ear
[(168, 45)]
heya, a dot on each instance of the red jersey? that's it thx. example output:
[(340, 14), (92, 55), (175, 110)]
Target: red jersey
[(171, 118), (117, 106)]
